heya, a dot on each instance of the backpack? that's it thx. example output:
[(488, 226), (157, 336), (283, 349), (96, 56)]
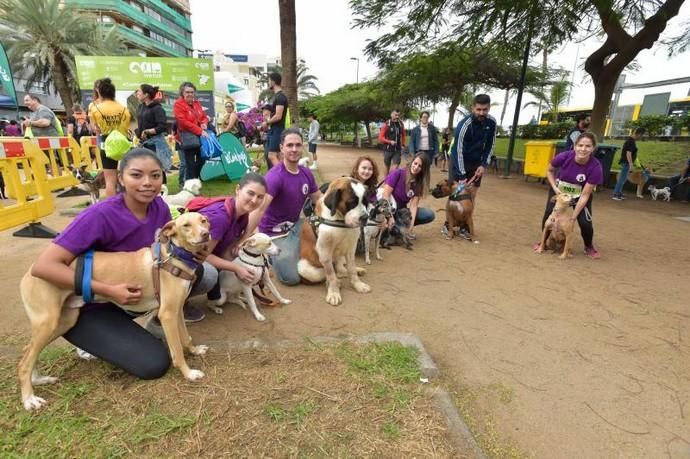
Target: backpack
[(202, 201), (241, 128)]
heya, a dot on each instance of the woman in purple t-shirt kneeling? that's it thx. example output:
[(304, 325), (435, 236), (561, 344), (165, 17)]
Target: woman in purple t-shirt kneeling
[(579, 173), (408, 186), (125, 222)]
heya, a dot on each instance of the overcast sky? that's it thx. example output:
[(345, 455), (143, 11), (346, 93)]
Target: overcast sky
[(326, 42)]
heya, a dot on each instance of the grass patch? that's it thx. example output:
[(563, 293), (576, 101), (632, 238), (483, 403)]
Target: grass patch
[(666, 158), (309, 401)]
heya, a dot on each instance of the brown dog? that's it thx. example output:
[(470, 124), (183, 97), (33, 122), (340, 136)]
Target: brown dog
[(459, 207), (558, 228), (53, 310)]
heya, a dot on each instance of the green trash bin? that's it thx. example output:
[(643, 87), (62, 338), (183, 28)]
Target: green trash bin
[(605, 154)]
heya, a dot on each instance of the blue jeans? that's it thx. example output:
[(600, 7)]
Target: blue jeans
[(182, 173), (285, 264), (622, 177), (158, 144), (424, 216)]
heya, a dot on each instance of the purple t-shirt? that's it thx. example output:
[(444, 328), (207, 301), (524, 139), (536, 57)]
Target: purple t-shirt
[(401, 193), (110, 226), (577, 174), (224, 229), (289, 191)]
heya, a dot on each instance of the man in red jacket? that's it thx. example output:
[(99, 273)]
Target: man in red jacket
[(191, 121), (392, 136)]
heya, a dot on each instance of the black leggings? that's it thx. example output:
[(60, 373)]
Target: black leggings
[(193, 162), (585, 222), (110, 334)]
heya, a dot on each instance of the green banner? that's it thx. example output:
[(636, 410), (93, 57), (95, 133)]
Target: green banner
[(129, 72), (8, 96)]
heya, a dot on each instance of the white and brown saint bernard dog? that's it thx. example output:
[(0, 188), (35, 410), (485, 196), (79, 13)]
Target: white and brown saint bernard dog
[(341, 212)]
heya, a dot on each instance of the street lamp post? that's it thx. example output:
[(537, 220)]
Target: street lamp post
[(358, 141), (356, 74)]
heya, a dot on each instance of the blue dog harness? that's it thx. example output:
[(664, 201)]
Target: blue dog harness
[(82, 276)]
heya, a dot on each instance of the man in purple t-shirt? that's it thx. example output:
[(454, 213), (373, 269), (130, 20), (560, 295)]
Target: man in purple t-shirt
[(288, 185)]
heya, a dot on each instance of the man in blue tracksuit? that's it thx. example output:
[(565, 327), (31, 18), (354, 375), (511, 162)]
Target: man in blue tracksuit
[(475, 138)]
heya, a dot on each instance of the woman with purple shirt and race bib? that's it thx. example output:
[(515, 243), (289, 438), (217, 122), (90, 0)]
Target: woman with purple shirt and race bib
[(579, 173), (125, 222)]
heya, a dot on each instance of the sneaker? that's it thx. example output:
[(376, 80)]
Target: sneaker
[(153, 326), (313, 167), (444, 229), (465, 234), (592, 253), (85, 355), (192, 314), (616, 197)]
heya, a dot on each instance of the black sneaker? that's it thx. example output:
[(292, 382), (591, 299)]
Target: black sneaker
[(192, 314)]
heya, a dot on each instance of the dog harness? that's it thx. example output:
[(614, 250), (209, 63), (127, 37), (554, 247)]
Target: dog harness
[(82, 276), (185, 268)]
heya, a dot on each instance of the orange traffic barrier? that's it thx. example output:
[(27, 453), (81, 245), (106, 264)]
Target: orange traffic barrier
[(91, 151), (28, 207), (60, 154)]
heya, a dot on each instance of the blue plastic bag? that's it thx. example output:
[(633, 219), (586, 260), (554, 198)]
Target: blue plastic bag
[(210, 147)]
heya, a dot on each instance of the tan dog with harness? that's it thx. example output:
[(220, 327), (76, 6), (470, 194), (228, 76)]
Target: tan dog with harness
[(558, 228), (459, 207), (166, 273)]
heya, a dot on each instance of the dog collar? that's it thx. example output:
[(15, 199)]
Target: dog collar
[(255, 255), (185, 256)]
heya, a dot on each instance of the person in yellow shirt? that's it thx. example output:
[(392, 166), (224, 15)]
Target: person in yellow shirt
[(108, 115)]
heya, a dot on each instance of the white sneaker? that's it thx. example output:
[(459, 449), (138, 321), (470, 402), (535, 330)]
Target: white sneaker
[(85, 355)]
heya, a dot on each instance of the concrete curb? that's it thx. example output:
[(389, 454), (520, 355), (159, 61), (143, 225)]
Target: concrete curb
[(460, 435)]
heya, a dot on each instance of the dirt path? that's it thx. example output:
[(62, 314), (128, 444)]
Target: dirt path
[(579, 358)]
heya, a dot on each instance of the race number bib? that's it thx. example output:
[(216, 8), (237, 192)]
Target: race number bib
[(570, 188)]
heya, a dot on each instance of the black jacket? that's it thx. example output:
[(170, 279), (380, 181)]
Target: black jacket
[(151, 116)]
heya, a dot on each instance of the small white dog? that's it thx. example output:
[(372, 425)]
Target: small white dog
[(664, 193), (189, 191), (253, 255), (303, 162)]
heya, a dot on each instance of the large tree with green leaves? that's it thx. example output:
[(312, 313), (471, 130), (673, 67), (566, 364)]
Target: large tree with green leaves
[(446, 73), (553, 99), (626, 26), (42, 37)]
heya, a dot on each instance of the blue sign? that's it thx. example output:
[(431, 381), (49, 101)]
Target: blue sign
[(238, 57)]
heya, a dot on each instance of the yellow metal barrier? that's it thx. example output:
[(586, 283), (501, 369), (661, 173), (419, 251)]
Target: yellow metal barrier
[(91, 151), (60, 153), (29, 207)]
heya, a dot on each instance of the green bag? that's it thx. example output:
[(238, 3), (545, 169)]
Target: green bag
[(116, 145)]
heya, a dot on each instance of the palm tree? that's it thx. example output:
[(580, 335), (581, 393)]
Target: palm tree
[(288, 54), (554, 99), (306, 83), (45, 38)]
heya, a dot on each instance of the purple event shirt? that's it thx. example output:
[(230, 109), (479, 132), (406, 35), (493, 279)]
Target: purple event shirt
[(396, 180), (289, 191), (224, 229), (575, 173), (109, 226)]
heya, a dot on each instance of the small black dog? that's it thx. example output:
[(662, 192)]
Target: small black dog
[(399, 234)]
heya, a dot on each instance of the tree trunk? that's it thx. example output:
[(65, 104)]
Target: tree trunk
[(356, 131), (61, 85), (544, 69), (453, 107), (368, 128), (505, 106), (288, 55), (620, 48)]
